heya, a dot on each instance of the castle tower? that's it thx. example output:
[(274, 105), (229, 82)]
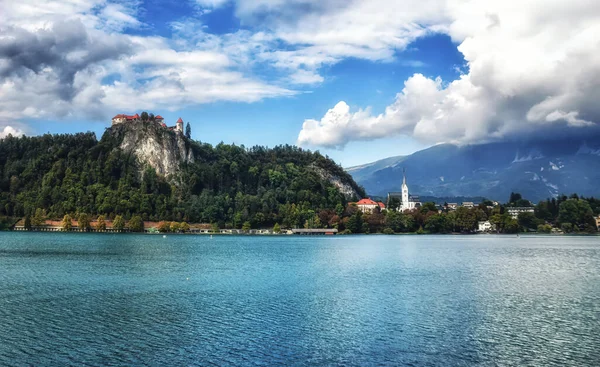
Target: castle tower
[(179, 125)]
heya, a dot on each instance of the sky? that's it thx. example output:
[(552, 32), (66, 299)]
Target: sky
[(356, 80)]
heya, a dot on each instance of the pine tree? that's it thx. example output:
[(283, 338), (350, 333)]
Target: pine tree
[(188, 131)]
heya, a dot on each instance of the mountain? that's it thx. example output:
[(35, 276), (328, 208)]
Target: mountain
[(536, 169), (143, 168)]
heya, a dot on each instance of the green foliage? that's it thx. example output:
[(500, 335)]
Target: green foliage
[(577, 213), (39, 218), (101, 223), (226, 184), (67, 223), (544, 228), (388, 231), (164, 227), (175, 227), (528, 220), (136, 224), (246, 226), (83, 221), (188, 131), (27, 223), (276, 228), (184, 227), (118, 223)]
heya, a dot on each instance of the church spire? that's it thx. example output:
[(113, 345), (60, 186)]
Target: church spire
[(403, 176)]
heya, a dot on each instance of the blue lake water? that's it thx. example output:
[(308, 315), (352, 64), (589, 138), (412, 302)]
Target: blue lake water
[(142, 300)]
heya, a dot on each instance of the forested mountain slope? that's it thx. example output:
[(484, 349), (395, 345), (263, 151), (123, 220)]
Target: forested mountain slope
[(142, 168)]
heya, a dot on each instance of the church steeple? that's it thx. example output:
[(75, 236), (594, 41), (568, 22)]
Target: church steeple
[(403, 176)]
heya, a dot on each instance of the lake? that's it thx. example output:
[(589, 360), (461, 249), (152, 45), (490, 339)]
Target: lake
[(144, 300)]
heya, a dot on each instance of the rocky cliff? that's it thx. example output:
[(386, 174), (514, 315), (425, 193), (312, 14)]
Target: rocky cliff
[(153, 145)]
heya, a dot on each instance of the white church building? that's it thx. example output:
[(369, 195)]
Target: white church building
[(407, 201)]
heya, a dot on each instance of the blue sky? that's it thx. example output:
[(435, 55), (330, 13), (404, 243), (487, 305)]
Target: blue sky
[(357, 80)]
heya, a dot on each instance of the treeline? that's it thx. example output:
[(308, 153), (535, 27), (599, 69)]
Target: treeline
[(569, 214), (71, 174)]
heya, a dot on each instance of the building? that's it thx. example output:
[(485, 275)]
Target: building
[(468, 204), (407, 201), (486, 226), (515, 211), (451, 206), (598, 222), (368, 206), (123, 118)]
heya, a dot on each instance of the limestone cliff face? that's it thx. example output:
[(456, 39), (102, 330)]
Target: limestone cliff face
[(342, 185), (153, 145)]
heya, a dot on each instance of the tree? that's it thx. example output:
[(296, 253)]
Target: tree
[(184, 227), (577, 212), (355, 223), (39, 218), (276, 228), (164, 227), (118, 223), (188, 131), (27, 223), (136, 224), (437, 223), (215, 228), (144, 116), (101, 223), (175, 227), (544, 228), (67, 223), (528, 220), (83, 222), (246, 226), (466, 220)]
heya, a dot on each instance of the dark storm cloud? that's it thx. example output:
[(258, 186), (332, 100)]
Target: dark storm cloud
[(66, 48)]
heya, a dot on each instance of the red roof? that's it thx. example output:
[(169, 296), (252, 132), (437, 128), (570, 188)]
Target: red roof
[(366, 201), (159, 117), (180, 120), (126, 117), (381, 205)]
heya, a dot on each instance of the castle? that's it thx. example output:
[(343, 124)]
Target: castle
[(122, 118)]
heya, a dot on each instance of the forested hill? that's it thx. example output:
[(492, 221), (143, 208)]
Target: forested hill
[(144, 169)]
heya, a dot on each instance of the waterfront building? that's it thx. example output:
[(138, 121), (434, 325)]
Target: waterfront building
[(368, 206), (485, 226), (515, 211)]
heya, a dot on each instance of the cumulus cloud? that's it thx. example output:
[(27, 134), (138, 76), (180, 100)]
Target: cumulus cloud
[(531, 66), (70, 59), (9, 130)]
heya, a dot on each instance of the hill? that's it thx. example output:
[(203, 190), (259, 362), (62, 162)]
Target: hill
[(142, 168), (538, 170)]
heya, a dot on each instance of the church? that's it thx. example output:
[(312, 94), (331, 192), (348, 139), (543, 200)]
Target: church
[(407, 201)]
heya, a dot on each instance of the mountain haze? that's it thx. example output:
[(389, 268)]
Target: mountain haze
[(538, 170)]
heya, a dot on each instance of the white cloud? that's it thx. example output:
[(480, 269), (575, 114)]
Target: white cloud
[(9, 130), (531, 65)]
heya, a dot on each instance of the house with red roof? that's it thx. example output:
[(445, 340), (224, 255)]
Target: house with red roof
[(367, 205)]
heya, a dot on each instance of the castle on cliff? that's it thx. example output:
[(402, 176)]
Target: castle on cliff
[(123, 118)]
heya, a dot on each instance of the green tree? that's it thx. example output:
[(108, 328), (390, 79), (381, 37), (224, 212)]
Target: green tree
[(175, 227), (188, 131), (577, 212), (39, 218), (466, 220), (184, 227), (27, 223), (544, 228), (118, 223), (164, 227), (437, 223), (67, 223), (246, 226), (101, 223), (215, 228), (528, 220), (83, 222), (144, 116), (136, 224), (355, 223), (276, 228)]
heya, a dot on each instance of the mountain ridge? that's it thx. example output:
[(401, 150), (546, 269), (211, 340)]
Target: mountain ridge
[(537, 169)]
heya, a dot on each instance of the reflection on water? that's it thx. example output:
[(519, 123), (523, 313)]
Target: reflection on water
[(90, 299)]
